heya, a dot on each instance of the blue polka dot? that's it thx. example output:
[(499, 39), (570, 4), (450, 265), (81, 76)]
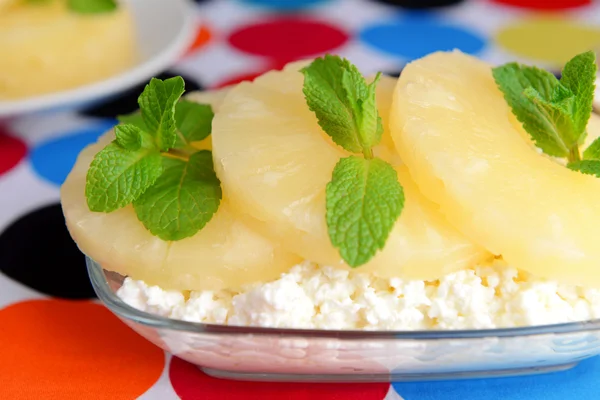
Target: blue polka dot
[(285, 5), (581, 382), (53, 159), (417, 36)]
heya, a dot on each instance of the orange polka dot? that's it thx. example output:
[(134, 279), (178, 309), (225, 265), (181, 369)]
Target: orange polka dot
[(202, 37), (58, 349)]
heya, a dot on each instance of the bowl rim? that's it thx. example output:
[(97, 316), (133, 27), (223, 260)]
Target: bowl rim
[(116, 83), (125, 311)]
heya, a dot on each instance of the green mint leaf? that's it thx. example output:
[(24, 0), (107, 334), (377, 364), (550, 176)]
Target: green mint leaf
[(557, 114), (579, 76), (134, 118), (327, 98), (361, 98), (194, 120), (563, 96), (370, 127), (183, 199), (129, 136), (593, 151), (343, 103), (92, 6), (513, 79), (118, 176), (157, 103), (364, 199), (589, 167)]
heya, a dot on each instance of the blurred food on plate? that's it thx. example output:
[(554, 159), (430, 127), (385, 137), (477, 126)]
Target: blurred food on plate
[(54, 45)]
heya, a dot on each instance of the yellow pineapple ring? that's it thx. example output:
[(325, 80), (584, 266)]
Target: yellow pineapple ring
[(455, 132), (225, 254), (274, 163)]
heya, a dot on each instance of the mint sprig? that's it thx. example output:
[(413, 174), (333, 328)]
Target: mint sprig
[(589, 167), (117, 176), (131, 137), (593, 151), (364, 198), (579, 76), (152, 164), (85, 6), (193, 120), (157, 103), (92, 6), (183, 199), (344, 104), (553, 112)]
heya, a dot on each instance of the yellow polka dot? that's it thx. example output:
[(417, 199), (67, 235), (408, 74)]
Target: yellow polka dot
[(550, 39)]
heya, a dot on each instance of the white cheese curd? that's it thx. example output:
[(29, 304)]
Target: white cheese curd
[(493, 295), (151, 299)]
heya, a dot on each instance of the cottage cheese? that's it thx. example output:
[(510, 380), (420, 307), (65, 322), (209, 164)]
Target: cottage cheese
[(493, 295)]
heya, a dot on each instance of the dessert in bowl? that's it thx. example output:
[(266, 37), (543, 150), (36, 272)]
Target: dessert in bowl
[(316, 222)]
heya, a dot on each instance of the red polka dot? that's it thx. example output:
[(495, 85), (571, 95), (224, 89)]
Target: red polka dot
[(57, 349), (287, 39), (250, 76), (545, 4), (190, 383), (203, 36), (239, 78), (12, 150)]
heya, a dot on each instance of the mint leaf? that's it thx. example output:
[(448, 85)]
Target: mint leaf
[(364, 200), (589, 167), (118, 176), (193, 120), (134, 118), (157, 103), (183, 199), (174, 194), (593, 151), (513, 79), (129, 136), (343, 103), (327, 98), (369, 120), (558, 115), (579, 76), (92, 6)]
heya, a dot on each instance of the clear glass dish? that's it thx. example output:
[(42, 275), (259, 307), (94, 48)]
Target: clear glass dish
[(269, 354)]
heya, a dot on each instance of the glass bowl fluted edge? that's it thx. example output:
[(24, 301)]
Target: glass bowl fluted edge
[(275, 354)]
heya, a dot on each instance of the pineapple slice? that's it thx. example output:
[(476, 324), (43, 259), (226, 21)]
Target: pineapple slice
[(225, 254), (274, 163), (455, 132)]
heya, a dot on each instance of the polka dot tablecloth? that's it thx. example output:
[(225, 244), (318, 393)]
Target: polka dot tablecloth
[(58, 342)]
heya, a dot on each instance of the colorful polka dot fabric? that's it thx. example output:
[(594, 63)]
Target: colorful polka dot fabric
[(58, 342)]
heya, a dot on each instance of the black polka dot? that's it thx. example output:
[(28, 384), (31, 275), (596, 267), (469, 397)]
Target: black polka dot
[(201, 1), (126, 102), (395, 73), (420, 4), (38, 251)]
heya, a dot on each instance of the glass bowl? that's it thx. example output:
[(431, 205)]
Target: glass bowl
[(270, 354)]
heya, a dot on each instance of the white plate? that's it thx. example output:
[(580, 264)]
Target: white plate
[(164, 30)]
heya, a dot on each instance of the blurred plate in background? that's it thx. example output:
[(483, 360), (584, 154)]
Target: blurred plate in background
[(164, 29)]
